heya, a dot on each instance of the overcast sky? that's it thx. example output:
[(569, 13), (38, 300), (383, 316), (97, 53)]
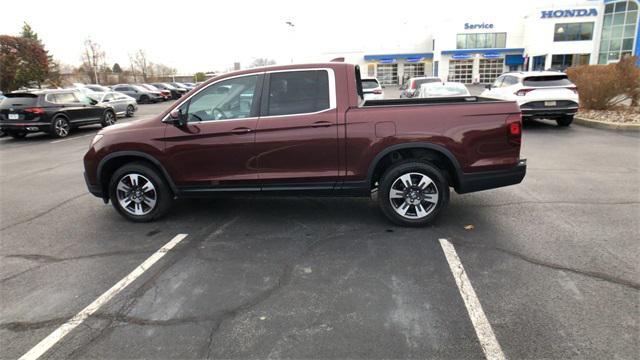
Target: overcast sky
[(211, 35)]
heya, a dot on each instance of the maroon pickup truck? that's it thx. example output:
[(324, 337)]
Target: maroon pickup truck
[(305, 130)]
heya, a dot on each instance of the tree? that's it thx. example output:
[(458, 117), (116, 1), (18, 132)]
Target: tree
[(140, 61), (116, 69), (200, 76), (28, 33), (262, 62), (24, 62), (92, 59)]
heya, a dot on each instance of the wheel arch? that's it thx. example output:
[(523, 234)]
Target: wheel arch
[(110, 163), (438, 154)]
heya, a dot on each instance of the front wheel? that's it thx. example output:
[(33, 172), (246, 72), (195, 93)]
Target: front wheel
[(61, 127), (130, 111), (565, 120), (413, 193), (139, 193)]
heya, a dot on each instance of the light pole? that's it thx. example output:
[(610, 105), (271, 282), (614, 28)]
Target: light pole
[(291, 27)]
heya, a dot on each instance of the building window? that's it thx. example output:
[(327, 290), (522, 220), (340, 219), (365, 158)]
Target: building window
[(618, 31), (481, 41), (573, 32), (561, 62)]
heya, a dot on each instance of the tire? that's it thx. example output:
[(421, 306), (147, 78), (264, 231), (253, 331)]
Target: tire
[(60, 127), (135, 206), (565, 120), (17, 134), (108, 119), (144, 99), (130, 111), (419, 207)]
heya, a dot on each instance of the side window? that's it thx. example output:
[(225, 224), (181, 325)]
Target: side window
[(65, 98), (498, 82), (228, 99), (109, 97), (509, 81), (298, 92)]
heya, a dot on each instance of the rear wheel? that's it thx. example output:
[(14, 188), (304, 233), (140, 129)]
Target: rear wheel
[(144, 99), (130, 111), (108, 119), (565, 120), (17, 134), (61, 127), (139, 193), (413, 193)]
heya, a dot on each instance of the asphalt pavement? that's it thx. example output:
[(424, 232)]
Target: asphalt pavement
[(554, 263)]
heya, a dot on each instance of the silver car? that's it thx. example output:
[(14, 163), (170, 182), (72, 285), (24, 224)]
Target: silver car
[(121, 104)]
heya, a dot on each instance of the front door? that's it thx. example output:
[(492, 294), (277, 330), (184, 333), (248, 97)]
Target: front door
[(297, 135), (215, 149)]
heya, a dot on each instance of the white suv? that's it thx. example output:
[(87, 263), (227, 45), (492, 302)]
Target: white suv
[(372, 89), (540, 94)]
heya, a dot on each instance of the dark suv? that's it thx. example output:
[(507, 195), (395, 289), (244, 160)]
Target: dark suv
[(55, 112), (176, 93)]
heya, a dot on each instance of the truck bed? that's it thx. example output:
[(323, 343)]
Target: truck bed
[(429, 101)]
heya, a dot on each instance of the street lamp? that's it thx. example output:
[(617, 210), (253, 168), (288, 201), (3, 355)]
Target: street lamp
[(291, 26)]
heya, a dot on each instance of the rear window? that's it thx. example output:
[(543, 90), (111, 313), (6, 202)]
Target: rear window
[(20, 99), (425, 81), (369, 84), (546, 81), (298, 92)]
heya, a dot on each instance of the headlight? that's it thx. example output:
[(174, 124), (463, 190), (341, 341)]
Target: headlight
[(96, 139)]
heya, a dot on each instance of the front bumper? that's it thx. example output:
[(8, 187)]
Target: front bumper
[(96, 190), (470, 182)]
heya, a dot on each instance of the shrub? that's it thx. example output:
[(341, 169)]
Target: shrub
[(602, 87)]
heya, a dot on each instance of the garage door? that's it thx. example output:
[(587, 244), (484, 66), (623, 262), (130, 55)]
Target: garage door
[(490, 69), (461, 71), (413, 70), (387, 74)]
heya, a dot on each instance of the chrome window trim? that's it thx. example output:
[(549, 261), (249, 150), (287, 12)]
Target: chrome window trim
[(332, 94)]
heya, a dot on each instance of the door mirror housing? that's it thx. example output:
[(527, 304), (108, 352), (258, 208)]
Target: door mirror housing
[(177, 118)]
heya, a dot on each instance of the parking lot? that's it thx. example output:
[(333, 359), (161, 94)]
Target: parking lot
[(553, 262)]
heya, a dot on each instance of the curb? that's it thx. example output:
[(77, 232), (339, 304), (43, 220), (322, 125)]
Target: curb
[(606, 125)]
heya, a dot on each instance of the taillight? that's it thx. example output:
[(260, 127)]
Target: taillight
[(523, 92), (514, 129), (573, 88), (413, 85), (34, 110), (377, 91)]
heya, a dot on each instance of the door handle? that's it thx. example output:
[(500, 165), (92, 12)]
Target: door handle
[(318, 124), (241, 130)]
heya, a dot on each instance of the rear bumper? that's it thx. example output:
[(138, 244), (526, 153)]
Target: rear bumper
[(548, 112), (471, 182), (34, 126)]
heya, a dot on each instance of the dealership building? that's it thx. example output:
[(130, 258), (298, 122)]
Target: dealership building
[(477, 50)]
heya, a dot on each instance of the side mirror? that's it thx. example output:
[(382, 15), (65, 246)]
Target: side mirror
[(488, 87), (177, 118)]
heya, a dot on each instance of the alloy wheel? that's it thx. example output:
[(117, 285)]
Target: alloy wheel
[(109, 118), (413, 195), (61, 127), (136, 194), (129, 110)]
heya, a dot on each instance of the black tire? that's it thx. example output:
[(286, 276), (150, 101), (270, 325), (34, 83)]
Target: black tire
[(17, 134), (163, 195), (130, 111), (108, 118), (144, 99), (565, 120), (439, 186), (60, 127)]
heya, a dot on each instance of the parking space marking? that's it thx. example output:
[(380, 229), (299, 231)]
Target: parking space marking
[(48, 342), (484, 332), (72, 138)]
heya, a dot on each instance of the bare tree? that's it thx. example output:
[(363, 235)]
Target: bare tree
[(140, 61), (262, 62), (92, 59)]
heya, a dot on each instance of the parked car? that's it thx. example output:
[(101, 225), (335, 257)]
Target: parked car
[(304, 129), (540, 94), (442, 89), (56, 112), (411, 87), (97, 88), (122, 105), (166, 94), (372, 89), (176, 93), (181, 85), (142, 95), (2, 95)]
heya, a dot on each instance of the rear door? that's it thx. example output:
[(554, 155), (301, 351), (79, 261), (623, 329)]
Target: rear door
[(71, 106), (215, 150), (297, 135)]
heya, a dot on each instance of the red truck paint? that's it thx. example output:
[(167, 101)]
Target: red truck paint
[(336, 150)]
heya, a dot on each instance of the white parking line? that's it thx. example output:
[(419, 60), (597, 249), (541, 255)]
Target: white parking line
[(65, 328), (487, 338), (71, 138)]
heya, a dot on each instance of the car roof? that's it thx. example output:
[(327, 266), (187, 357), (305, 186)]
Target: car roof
[(424, 77), (524, 74), (443, 83)]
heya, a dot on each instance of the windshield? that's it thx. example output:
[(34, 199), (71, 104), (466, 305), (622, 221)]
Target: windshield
[(370, 84), (547, 81), (139, 88), (95, 96)]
